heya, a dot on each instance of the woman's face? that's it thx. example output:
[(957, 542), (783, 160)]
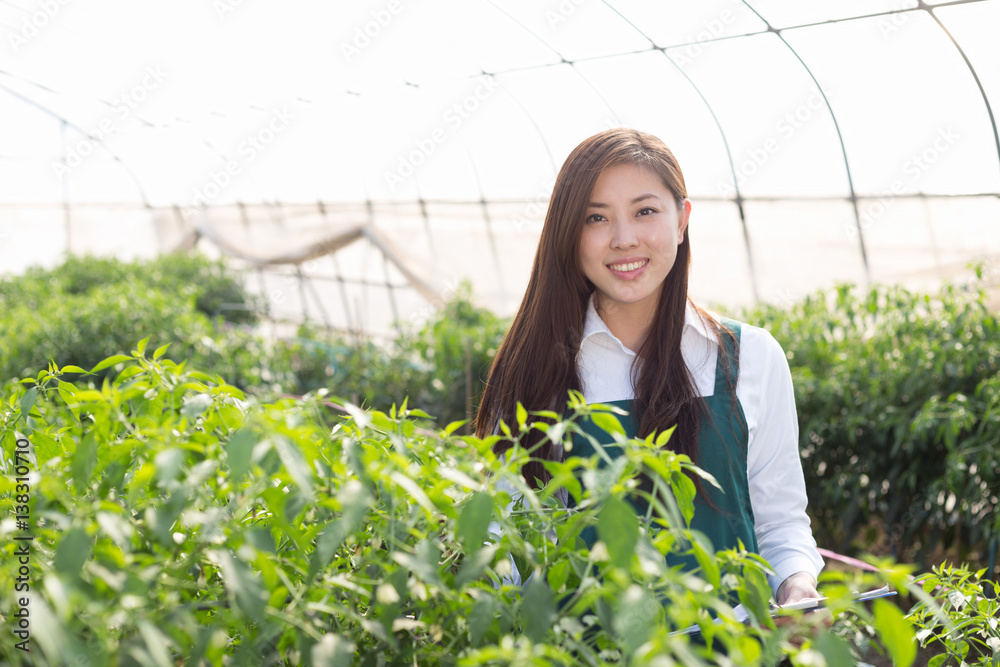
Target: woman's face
[(630, 237)]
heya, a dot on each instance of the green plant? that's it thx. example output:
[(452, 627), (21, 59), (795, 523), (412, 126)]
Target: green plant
[(962, 617), (892, 387), (451, 355), (174, 519), (89, 308)]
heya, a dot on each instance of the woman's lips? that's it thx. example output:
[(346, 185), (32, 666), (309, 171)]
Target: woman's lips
[(628, 268)]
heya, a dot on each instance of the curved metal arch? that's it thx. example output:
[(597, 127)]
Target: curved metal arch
[(68, 123), (720, 38), (725, 142), (494, 251), (487, 219), (475, 172), (562, 58), (221, 154), (972, 70), (541, 135), (840, 138)]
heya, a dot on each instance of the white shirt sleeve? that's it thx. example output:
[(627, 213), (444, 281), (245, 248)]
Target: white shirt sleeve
[(774, 467)]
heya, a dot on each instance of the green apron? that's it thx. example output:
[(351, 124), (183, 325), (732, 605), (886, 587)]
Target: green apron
[(722, 452)]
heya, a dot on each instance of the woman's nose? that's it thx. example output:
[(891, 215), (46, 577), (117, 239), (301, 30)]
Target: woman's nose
[(624, 236)]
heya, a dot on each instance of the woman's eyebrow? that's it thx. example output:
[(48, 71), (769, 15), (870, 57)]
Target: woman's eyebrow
[(638, 199)]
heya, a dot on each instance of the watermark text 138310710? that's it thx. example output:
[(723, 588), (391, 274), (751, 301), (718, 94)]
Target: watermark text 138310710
[(21, 622)]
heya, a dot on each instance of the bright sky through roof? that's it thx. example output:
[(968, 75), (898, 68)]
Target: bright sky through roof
[(349, 90), (777, 111)]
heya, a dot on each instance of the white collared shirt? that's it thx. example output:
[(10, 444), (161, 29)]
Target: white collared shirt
[(764, 390)]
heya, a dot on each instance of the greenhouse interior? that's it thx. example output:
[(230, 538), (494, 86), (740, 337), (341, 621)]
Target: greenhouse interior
[(258, 400)]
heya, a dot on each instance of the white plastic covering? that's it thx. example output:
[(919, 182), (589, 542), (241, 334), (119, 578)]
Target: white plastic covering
[(361, 158)]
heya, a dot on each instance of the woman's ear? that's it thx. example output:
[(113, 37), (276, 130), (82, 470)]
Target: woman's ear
[(683, 214)]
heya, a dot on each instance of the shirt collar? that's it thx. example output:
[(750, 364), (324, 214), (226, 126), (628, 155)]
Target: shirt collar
[(593, 325)]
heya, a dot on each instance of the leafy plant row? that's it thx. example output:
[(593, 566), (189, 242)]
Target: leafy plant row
[(898, 396), (898, 392), (175, 520)]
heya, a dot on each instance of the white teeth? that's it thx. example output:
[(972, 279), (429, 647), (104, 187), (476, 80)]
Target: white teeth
[(631, 266)]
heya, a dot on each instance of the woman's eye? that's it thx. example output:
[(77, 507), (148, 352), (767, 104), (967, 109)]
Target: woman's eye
[(595, 217), (647, 211)]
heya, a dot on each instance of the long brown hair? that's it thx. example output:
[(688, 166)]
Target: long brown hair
[(536, 363)]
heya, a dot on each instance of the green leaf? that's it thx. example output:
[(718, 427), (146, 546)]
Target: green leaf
[(141, 347), (452, 427), (895, 632), (56, 642), (685, 492), (522, 416), (242, 585), (607, 423), (195, 405), (618, 528), (160, 351), (28, 402), (481, 618), (71, 369), (239, 450), (67, 392), (664, 436), (559, 575), (295, 464), (834, 649), (116, 527), (538, 609), (360, 417), (72, 552), (635, 617), (168, 464), (156, 644), (354, 500), (332, 650), (703, 553), (110, 361), (473, 566), (937, 660), (413, 490), (755, 594), (83, 462), (473, 520), (423, 562)]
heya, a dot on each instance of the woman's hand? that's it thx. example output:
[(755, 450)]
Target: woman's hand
[(799, 586)]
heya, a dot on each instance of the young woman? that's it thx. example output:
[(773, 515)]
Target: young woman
[(607, 312)]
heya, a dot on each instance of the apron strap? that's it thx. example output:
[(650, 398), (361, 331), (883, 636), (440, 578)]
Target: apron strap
[(726, 374)]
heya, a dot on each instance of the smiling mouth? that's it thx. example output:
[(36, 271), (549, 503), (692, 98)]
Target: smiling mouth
[(630, 266)]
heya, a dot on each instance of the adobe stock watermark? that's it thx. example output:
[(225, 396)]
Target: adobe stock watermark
[(990, 270), (561, 12), (372, 28), (712, 28), (224, 7), (534, 211), (248, 150), (453, 118), (913, 169), (786, 127), (785, 297), (282, 284), (889, 24), (427, 311), (536, 208), (122, 106), (31, 26), (8, 236)]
